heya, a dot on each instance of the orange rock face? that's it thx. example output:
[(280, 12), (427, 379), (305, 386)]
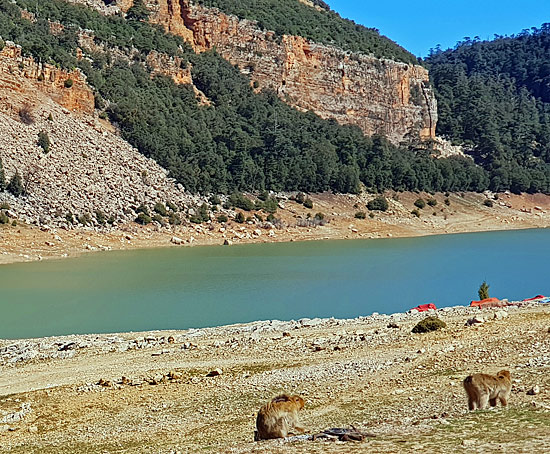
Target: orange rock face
[(24, 75), (379, 96)]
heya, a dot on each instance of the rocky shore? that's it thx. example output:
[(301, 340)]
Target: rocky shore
[(198, 390)]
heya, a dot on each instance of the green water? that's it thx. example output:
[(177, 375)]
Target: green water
[(206, 286)]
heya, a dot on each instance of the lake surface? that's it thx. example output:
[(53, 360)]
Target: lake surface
[(205, 286)]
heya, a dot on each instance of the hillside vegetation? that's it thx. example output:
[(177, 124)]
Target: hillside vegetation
[(243, 140), (493, 96), (293, 17)]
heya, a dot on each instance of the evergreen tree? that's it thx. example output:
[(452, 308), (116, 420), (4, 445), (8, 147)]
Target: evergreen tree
[(15, 186), (483, 291), (2, 177)]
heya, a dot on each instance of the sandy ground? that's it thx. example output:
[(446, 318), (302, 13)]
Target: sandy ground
[(404, 388), (465, 213)]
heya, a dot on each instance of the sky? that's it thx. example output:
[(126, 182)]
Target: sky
[(421, 25)]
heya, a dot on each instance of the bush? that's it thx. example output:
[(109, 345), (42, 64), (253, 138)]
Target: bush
[(483, 291), (85, 219), (143, 219), (259, 217), (44, 141), (222, 219), (419, 203), (271, 218), (15, 186), (159, 208), (429, 324), (432, 202), (319, 216), (100, 217), (308, 203), (240, 217), (2, 177), (488, 203), (264, 195), (142, 209), (300, 197), (360, 215), (158, 218), (238, 200), (379, 203), (5, 206), (4, 218), (171, 206), (215, 200), (68, 83), (415, 212), (201, 216), (447, 202), (174, 219), (69, 218), (270, 205)]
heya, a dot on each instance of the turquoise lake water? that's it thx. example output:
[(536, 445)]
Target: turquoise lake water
[(205, 286)]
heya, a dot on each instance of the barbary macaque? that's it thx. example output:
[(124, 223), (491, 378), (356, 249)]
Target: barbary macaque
[(484, 388), (279, 418)]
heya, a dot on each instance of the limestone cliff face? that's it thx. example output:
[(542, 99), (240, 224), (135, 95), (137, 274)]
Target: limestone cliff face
[(379, 96), (25, 76)]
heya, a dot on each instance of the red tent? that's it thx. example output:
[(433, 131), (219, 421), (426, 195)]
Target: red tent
[(425, 307), (538, 297), (487, 302)]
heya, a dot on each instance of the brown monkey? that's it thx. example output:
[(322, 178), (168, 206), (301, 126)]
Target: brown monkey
[(484, 388), (279, 417)]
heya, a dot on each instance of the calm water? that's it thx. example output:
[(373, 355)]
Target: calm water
[(206, 286)]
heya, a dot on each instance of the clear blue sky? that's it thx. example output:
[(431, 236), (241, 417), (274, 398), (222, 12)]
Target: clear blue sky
[(420, 25)]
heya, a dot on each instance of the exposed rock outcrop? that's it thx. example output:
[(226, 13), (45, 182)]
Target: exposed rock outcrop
[(24, 75), (379, 96)]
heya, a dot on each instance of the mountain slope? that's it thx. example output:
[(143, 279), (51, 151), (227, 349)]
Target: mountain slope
[(493, 96)]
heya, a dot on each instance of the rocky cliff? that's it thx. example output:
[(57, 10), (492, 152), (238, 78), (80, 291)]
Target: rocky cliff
[(379, 96), (25, 76)]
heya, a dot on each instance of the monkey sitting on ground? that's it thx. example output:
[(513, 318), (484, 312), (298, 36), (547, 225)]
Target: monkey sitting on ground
[(279, 417), (484, 388)]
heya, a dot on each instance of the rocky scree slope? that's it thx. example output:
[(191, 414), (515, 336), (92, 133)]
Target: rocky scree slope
[(88, 168)]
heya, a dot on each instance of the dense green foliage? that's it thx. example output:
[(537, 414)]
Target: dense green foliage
[(494, 97), (242, 141), (379, 203), (15, 186), (483, 291), (44, 141), (429, 324), (292, 17)]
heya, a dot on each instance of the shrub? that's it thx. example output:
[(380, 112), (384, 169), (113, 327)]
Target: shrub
[(68, 83), (415, 212), (2, 177), (85, 219), (264, 195), (429, 324), (44, 141), (159, 208), (222, 218), (15, 186), (271, 218), (238, 200), (143, 219), (174, 219), (259, 217), (360, 215), (14, 223), (171, 206), (111, 219), (158, 218), (319, 216), (201, 216), (432, 202), (483, 291), (419, 203), (308, 203), (488, 203), (142, 209), (215, 200), (300, 197), (4, 218), (5, 206), (240, 217), (100, 217), (269, 206), (447, 202), (379, 203), (69, 218)]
